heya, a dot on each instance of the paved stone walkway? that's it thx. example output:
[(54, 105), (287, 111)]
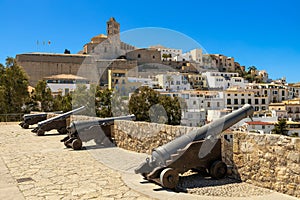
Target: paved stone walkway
[(33, 167)]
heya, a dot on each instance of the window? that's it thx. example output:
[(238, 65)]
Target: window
[(228, 95), (228, 101), (263, 101), (249, 101), (194, 102), (208, 104), (242, 101), (263, 127), (139, 55), (153, 57), (236, 101), (256, 101)]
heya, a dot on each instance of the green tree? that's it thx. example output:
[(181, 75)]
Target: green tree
[(141, 101), (145, 98), (172, 108), (62, 103), (14, 86), (103, 103), (82, 96), (43, 95), (280, 128)]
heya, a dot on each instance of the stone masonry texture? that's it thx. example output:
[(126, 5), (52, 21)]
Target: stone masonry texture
[(269, 161), (43, 169)]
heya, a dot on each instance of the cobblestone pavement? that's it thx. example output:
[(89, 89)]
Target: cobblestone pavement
[(33, 167), (44, 169)]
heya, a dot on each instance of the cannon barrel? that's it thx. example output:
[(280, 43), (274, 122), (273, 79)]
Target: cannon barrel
[(82, 131), (58, 122), (62, 116), (212, 130), (81, 125), (30, 116)]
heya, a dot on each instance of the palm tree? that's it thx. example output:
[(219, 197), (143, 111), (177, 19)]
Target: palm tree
[(169, 79), (280, 128)]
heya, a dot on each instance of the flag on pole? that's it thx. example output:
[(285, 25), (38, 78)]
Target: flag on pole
[(49, 42)]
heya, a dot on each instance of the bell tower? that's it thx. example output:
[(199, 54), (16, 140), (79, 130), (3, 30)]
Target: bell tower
[(113, 27)]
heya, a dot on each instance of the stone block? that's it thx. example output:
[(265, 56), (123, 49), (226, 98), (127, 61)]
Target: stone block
[(294, 157), (247, 147)]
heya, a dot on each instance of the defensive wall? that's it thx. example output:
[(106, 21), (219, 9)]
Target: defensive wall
[(270, 161)]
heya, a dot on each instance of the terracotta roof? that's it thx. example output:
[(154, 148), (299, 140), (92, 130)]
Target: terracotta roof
[(259, 123)]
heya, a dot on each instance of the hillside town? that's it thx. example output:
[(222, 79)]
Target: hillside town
[(208, 85), (119, 121)]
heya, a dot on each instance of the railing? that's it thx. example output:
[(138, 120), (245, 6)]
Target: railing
[(11, 117)]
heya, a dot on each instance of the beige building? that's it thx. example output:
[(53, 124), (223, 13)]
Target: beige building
[(101, 52), (289, 109), (235, 98), (65, 83), (197, 81), (40, 65)]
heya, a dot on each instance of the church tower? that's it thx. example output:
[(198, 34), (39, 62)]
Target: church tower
[(113, 27)]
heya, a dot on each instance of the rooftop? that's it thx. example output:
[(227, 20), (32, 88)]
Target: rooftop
[(64, 77), (259, 123)]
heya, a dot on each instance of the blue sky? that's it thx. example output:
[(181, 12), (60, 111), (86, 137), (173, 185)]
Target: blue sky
[(262, 33)]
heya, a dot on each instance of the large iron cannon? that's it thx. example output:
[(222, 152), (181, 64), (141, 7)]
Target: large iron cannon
[(197, 150), (58, 122), (97, 130), (30, 119)]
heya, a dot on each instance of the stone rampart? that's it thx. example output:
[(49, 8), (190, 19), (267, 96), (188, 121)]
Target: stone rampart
[(270, 161)]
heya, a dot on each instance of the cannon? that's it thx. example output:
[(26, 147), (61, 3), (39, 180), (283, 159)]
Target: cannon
[(97, 130), (58, 122), (30, 119), (197, 150)]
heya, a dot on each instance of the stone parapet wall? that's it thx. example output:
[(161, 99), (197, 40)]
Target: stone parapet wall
[(142, 137), (270, 161)]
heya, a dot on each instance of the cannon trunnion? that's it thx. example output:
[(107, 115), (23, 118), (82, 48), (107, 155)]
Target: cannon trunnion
[(198, 150), (97, 130)]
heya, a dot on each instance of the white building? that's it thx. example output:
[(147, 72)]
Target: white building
[(143, 81), (259, 127), (195, 104), (173, 81), (274, 92), (223, 80), (65, 83), (196, 55), (168, 53), (216, 114)]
